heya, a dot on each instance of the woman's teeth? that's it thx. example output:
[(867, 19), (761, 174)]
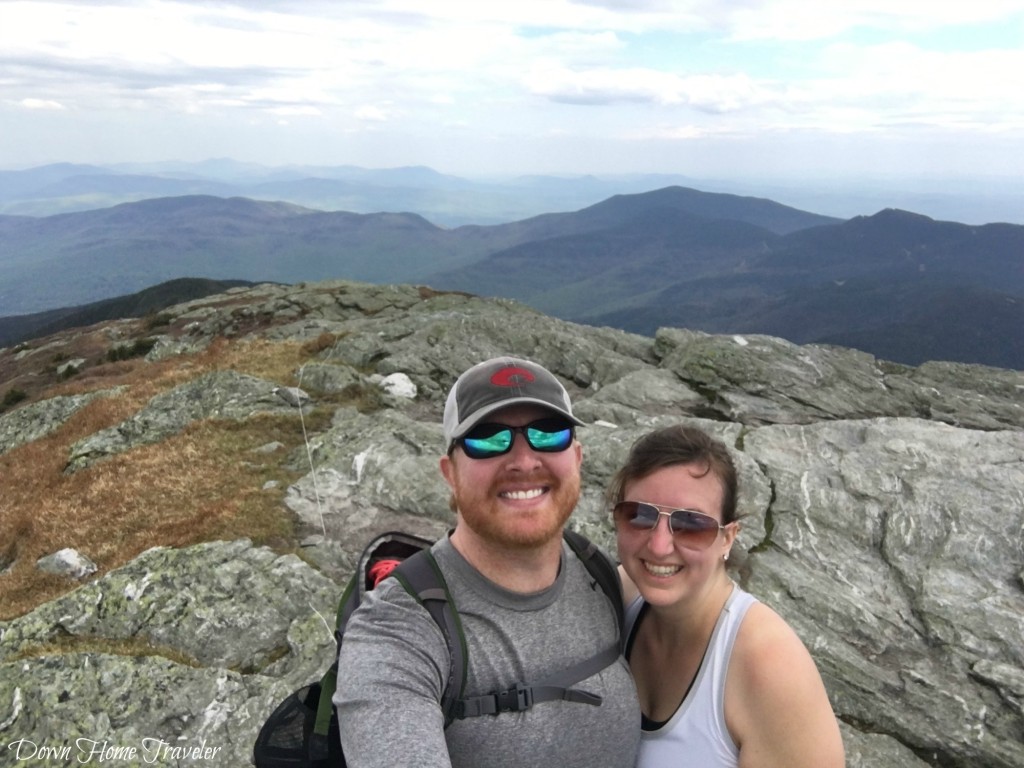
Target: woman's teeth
[(662, 570)]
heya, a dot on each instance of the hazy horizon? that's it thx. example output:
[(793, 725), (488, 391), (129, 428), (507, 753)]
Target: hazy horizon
[(965, 199), (707, 90)]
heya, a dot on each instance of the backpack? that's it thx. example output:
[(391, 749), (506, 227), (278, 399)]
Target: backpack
[(302, 732)]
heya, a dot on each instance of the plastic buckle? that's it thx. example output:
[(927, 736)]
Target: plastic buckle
[(517, 699)]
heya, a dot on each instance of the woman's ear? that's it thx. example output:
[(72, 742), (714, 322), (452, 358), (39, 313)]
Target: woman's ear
[(731, 532)]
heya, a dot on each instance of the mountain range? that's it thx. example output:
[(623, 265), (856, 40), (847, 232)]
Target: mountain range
[(452, 201), (443, 199), (896, 284)]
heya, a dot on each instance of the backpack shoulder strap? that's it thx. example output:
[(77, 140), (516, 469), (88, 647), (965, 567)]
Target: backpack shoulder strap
[(318, 740), (421, 577), (350, 600), (603, 571), (558, 686)]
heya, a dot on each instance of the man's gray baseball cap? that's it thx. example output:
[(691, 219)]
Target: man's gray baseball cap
[(498, 383)]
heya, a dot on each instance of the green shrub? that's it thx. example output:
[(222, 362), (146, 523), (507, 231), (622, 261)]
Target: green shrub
[(11, 398), (138, 348), (158, 321)]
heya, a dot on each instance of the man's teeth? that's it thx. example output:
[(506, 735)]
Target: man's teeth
[(523, 495), (662, 570)]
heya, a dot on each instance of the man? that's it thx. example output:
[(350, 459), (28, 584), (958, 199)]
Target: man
[(528, 606)]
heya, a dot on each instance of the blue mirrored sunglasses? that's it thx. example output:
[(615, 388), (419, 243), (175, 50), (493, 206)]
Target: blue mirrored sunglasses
[(484, 441), (692, 529)]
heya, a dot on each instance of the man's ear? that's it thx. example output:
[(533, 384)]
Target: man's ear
[(448, 470)]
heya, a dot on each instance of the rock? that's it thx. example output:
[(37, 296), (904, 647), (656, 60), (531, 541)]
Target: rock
[(67, 562), (222, 604), (892, 549), (373, 472), (772, 381), (399, 385), (213, 637), (80, 705), (70, 367), (293, 396), (165, 347), (329, 378), (35, 420)]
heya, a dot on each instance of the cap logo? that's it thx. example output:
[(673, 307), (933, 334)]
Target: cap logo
[(512, 377)]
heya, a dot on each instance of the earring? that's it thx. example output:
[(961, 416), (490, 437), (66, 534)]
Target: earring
[(726, 556)]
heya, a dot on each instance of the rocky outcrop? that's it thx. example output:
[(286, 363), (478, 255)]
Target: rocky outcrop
[(220, 395), (884, 519), (181, 649), (37, 420)]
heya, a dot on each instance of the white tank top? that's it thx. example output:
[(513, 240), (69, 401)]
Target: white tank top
[(696, 734)]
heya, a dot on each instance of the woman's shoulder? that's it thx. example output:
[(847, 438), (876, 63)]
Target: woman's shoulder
[(775, 701), (765, 639), (770, 666)]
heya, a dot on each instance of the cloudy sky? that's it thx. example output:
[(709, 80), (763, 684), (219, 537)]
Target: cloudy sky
[(926, 88)]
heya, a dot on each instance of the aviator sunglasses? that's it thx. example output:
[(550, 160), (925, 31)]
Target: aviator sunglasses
[(691, 529), (484, 441)]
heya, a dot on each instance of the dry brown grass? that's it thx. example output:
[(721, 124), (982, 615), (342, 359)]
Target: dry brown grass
[(201, 485), (131, 646)]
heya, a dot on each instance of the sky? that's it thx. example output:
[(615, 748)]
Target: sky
[(924, 89)]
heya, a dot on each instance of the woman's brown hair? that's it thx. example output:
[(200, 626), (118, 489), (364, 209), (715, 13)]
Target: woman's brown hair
[(679, 445)]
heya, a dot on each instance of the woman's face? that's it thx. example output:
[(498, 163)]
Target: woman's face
[(666, 567)]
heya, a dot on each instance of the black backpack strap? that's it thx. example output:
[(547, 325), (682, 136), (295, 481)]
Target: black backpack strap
[(397, 544), (558, 687), (318, 739), (603, 572), (555, 688), (422, 578)]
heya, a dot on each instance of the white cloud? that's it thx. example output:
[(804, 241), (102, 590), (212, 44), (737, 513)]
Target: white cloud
[(800, 20), (295, 111), (44, 104), (711, 93), (511, 74), (683, 132), (898, 82), (371, 114)]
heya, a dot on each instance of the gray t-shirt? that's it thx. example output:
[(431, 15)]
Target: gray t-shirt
[(394, 663)]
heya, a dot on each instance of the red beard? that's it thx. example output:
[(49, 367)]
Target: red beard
[(499, 524)]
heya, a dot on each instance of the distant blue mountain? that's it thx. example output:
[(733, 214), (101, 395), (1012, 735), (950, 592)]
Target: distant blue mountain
[(443, 199), (676, 256), (452, 201)]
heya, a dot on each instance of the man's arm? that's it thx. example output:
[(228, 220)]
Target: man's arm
[(777, 708), (392, 671)]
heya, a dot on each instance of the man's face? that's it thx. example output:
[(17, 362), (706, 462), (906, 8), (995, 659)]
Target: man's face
[(519, 499)]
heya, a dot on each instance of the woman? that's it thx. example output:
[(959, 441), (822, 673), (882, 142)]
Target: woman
[(723, 680)]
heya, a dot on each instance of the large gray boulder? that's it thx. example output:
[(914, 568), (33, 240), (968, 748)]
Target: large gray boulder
[(884, 519), (895, 550), (184, 647)]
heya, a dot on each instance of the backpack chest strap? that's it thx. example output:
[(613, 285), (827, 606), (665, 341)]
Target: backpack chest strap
[(557, 687)]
